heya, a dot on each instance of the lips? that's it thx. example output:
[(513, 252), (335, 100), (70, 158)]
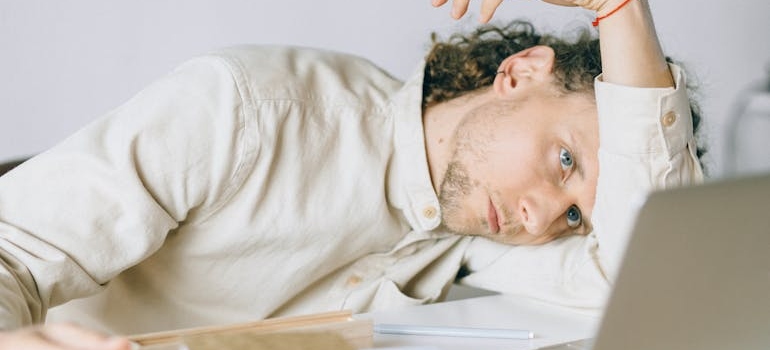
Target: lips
[(492, 218)]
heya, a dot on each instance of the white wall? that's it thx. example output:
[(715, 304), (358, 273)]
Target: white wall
[(65, 62)]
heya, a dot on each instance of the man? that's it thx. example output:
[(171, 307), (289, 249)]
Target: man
[(259, 182)]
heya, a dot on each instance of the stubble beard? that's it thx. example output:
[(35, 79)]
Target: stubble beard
[(455, 187), (472, 138)]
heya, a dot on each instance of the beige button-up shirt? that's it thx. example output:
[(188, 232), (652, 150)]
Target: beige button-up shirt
[(264, 181)]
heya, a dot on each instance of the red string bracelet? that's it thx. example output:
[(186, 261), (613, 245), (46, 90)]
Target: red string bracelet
[(596, 21)]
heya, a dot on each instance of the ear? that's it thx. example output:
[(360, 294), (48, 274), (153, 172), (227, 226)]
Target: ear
[(526, 67)]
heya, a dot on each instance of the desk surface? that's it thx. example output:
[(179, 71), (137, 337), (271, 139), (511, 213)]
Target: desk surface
[(551, 324)]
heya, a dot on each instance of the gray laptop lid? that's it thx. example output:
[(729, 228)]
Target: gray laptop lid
[(696, 274)]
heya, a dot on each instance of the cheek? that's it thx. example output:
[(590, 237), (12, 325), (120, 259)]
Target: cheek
[(507, 159), (495, 152)]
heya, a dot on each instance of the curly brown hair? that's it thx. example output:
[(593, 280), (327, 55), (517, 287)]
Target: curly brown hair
[(467, 62)]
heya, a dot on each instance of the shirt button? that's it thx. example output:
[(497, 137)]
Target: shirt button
[(669, 118), (429, 212), (353, 281)]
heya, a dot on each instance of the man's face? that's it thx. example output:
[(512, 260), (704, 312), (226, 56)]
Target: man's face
[(523, 171)]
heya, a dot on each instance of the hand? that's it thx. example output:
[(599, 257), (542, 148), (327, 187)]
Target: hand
[(60, 337), (460, 7), (488, 7)]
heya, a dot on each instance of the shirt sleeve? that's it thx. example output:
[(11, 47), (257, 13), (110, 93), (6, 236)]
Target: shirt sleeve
[(646, 143), (105, 198)]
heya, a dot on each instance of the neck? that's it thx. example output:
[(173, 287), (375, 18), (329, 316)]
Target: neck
[(440, 122)]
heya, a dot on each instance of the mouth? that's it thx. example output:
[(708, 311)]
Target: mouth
[(492, 219)]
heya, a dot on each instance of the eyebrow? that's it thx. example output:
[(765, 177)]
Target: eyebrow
[(578, 167)]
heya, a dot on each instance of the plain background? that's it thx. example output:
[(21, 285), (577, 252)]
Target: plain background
[(64, 63)]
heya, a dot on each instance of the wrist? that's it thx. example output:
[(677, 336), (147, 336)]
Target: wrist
[(603, 8), (610, 8)]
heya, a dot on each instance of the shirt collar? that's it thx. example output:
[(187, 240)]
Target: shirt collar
[(409, 184)]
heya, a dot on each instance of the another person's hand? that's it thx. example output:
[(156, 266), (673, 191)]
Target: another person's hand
[(60, 337), (488, 7)]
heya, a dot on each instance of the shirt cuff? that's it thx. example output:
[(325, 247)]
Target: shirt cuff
[(635, 121)]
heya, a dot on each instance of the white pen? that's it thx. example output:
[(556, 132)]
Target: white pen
[(443, 331)]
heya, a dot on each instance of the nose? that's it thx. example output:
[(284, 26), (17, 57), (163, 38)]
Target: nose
[(542, 207)]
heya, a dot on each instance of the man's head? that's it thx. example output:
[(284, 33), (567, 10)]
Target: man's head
[(512, 133)]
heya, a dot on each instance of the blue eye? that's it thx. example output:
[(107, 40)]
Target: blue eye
[(574, 217), (565, 158)]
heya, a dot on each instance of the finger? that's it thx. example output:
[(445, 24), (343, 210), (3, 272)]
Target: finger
[(437, 3), (70, 335), (459, 8), (488, 8)]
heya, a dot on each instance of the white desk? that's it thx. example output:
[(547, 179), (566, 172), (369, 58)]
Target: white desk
[(551, 324)]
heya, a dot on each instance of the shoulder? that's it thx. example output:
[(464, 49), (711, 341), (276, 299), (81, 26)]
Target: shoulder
[(270, 71), (259, 57)]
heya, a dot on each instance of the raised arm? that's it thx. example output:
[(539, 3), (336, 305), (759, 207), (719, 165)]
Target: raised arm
[(631, 52)]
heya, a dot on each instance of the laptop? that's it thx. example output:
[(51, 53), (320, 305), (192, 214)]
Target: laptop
[(696, 272)]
